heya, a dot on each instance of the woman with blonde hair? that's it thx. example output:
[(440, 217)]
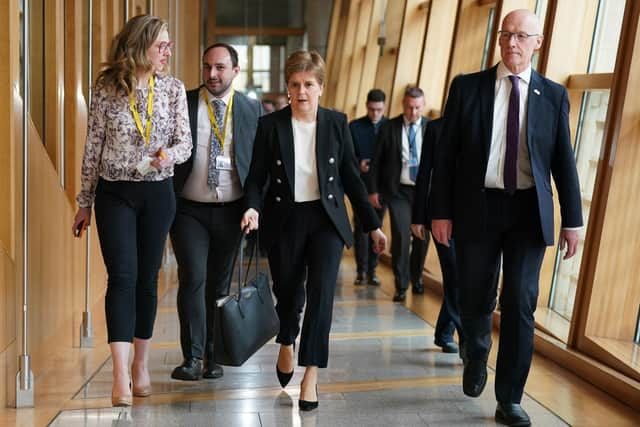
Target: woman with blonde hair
[(305, 153), (138, 128)]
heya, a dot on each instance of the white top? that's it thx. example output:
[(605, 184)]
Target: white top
[(196, 187), (495, 167), (306, 187), (405, 173)]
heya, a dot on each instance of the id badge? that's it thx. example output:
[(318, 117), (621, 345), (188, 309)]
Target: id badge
[(223, 163)]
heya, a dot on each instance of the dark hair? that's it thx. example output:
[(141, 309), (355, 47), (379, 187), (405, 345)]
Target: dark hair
[(232, 52), (269, 101), (302, 60), (413, 92), (376, 95)]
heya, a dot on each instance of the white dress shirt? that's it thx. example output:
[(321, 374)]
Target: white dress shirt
[(405, 173), (306, 187), (495, 167), (196, 187)]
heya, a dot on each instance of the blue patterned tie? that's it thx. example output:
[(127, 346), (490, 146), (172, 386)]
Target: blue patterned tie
[(216, 146), (413, 163), (513, 137)]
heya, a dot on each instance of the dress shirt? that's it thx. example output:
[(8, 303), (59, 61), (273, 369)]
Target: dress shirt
[(405, 173), (306, 187), (495, 167), (196, 187)]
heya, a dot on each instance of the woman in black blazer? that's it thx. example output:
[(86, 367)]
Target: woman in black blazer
[(305, 155)]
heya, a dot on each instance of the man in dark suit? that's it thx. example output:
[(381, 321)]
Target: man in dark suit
[(394, 171), (364, 130), (209, 190), (449, 317), (506, 131)]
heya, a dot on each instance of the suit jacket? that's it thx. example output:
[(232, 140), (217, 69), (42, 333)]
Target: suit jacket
[(386, 165), (245, 113), (458, 191), (421, 201), (273, 164)]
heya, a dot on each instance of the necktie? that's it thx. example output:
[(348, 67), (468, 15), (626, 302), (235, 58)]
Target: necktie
[(513, 136), (216, 146), (413, 161)]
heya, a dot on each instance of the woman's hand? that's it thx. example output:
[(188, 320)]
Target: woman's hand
[(249, 220), (379, 240), (81, 221), (159, 159)]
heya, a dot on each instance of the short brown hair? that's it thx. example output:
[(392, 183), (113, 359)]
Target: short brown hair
[(303, 60)]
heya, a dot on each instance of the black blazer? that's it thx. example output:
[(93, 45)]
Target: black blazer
[(386, 165), (273, 164), (458, 191), (421, 213), (245, 113)]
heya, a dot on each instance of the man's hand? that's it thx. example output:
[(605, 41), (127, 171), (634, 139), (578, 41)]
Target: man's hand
[(374, 199), (569, 238), (418, 231), (364, 165), (379, 240), (249, 220), (441, 230)]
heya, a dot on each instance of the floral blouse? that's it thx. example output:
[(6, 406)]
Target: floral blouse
[(114, 145)]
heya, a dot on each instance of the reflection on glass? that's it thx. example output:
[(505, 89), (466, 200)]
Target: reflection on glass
[(587, 150), (37, 66), (606, 36)]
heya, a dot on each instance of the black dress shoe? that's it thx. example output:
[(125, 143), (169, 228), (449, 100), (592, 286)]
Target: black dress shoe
[(399, 296), (447, 346), (418, 289), (211, 370), (359, 279), (512, 414), (190, 370), (306, 405), (474, 378), (372, 279)]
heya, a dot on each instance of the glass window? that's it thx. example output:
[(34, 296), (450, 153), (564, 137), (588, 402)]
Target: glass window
[(587, 150), (606, 36), (484, 62), (541, 12), (36, 82)]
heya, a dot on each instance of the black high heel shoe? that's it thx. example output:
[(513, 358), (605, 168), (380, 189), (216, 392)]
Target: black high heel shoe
[(306, 405), (285, 377)]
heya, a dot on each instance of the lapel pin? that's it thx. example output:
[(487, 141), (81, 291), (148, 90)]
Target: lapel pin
[(536, 91)]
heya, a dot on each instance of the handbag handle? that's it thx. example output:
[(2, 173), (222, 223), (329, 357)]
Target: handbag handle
[(252, 256)]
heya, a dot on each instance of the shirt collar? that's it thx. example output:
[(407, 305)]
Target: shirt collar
[(503, 72), (224, 98), (407, 122)]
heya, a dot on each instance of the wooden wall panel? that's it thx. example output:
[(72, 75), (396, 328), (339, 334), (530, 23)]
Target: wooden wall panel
[(436, 53), (347, 55), (371, 56), (468, 44), (332, 40), (354, 78), (334, 54), (387, 63), (186, 29), (410, 50)]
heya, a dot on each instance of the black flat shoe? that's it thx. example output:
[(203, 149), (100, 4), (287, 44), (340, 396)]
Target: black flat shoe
[(512, 414), (399, 296), (212, 371), (190, 370), (285, 377), (474, 377), (306, 405)]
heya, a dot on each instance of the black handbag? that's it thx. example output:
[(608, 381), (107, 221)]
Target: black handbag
[(246, 320)]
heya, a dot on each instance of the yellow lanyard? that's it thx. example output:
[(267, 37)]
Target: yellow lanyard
[(136, 117), (214, 122)]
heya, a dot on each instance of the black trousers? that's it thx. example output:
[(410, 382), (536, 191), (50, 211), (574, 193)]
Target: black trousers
[(407, 254), (515, 235), (133, 219), (366, 258), (449, 316), (204, 238), (309, 250)]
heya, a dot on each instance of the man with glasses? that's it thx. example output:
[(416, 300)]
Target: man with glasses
[(209, 191), (506, 131)]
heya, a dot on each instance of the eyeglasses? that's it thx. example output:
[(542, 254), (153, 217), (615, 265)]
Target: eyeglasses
[(165, 47), (505, 36)]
